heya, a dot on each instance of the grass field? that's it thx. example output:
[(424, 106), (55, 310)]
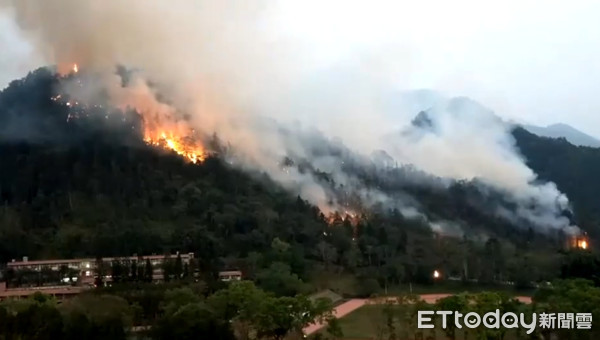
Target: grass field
[(346, 285), (370, 322), (454, 287)]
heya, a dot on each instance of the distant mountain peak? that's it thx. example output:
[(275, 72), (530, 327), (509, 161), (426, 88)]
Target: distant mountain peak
[(562, 130), (422, 120), (460, 108)]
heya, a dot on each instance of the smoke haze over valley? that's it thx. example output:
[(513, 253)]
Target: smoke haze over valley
[(244, 73)]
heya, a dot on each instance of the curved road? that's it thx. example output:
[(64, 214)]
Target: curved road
[(354, 304)]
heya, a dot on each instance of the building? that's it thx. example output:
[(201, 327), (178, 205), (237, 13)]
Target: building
[(82, 272), (232, 275), (60, 292)]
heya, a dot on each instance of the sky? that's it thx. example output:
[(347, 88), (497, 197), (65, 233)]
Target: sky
[(531, 61)]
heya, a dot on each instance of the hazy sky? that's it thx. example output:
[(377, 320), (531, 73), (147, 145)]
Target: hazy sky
[(533, 61)]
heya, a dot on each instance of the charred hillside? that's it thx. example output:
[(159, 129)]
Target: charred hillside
[(91, 186)]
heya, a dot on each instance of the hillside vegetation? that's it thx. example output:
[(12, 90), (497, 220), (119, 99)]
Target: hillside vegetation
[(91, 187)]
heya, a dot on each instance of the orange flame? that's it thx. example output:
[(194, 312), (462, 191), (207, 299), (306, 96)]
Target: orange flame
[(580, 242), (349, 216), (183, 146), (162, 130)]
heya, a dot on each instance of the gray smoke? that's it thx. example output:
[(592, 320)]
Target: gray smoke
[(224, 64)]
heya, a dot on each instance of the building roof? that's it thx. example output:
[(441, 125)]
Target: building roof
[(91, 260), (65, 290), (231, 272)]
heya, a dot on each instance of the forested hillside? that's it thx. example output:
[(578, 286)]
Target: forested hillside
[(574, 169), (91, 187)]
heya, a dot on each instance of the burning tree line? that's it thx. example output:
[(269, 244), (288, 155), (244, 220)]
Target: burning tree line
[(168, 133), (177, 136)]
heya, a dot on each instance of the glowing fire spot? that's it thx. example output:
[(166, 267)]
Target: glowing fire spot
[(436, 274), (582, 244), (351, 217), (191, 151), (75, 68)]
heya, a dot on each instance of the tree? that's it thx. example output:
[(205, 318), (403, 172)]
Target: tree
[(78, 326), (176, 298), (389, 312), (276, 317), (570, 296), (100, 272), (63, 272), (103, 316), (167, 268), (6, 321), (367, 287), (250, 308), (40, 321), (141, 271), (414, 304), (186, 271), (116, 271), (334, 328), (581, 264), (279, 279), (190, 321), (134, 271), (148, 271), (237, 300), (327, 252), (178, 267), (456, 303), (109, 193)]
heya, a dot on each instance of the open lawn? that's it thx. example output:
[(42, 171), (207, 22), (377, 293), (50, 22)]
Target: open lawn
[(348, 286), (370, 322), (453, 287)]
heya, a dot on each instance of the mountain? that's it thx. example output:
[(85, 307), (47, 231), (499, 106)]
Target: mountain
[(556, 158), (456, 108), (80, 181), (428, 102), (565, 131), (573, 168), (414, 101)]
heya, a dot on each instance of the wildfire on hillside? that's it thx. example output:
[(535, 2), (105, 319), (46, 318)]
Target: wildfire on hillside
[(164, 132), (184, 146), (580, 242), (352, 217)]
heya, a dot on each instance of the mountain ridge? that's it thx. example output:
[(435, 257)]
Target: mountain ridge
[(562, 130)]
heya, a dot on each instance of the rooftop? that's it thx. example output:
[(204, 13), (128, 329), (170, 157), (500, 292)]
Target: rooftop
[(92, 260)]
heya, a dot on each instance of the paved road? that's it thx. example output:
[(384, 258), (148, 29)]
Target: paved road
[(354, 304)]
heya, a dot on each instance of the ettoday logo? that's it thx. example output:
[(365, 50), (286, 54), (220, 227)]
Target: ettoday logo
[(507, 320)]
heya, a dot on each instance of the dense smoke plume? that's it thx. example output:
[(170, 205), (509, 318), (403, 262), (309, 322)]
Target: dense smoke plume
[(224, 64)]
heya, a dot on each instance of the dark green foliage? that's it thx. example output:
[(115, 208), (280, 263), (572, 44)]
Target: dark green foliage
[(160, 312), (192, 321), (574, 169), (569, 296), (279, 279), (107, 193), (581, 264), (148, 270), (178, 267)]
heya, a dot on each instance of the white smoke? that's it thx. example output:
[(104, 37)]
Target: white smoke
[(225, 63), (17, 57)]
